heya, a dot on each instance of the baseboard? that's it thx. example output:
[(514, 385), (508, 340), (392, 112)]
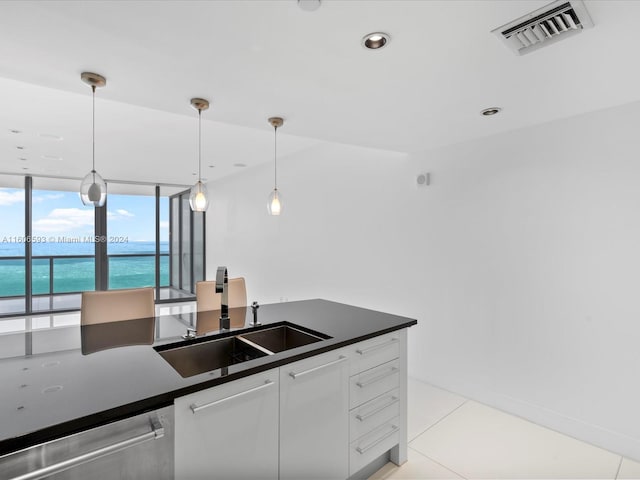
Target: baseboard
[(368, 470)]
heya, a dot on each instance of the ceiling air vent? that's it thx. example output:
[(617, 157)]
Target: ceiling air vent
[(547, 25)]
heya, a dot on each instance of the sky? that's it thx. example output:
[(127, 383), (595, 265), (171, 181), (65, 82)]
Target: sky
[(59, 214)]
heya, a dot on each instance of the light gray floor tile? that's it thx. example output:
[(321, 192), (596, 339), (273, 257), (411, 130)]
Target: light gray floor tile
[(417, 467), (479, 442), (629, 470), (427, 405)]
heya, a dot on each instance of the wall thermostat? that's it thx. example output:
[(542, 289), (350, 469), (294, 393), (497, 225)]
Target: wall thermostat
[(423, 179)]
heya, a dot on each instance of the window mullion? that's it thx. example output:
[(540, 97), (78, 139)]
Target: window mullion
[(28, 251), (100, 239)]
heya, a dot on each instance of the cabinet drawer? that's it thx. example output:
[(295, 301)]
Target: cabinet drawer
[(372, 352), (374, 413), (368, 447), (373, 382)]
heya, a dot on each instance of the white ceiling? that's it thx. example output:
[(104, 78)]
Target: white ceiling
[(255, 59)]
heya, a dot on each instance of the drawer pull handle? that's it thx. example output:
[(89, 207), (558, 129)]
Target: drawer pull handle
[(363, 417), (196, 408), (314, 369), (378, 378), (364, 351), (157, 431), (362, 450)]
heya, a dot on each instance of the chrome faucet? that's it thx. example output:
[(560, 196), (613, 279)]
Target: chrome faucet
[(222, 283), (191, 334), (254, 308)]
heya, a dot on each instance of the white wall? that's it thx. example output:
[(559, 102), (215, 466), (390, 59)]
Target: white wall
[(521, 261), (336, 238)]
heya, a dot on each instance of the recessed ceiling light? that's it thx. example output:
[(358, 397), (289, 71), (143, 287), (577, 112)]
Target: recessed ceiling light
[(487, 112), (20, 147), (240, 165), (212, 166), (50, 136), (375, 41), (14, 131), (22, 159), (309, 5), (25, 168)]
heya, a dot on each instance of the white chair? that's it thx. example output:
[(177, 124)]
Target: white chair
[(116, 305)]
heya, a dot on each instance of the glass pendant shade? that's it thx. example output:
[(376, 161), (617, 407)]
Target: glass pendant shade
[(275, 202), (199, 197), (274, 205), (93, 190)]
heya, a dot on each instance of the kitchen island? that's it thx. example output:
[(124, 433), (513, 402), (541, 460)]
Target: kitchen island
[(118, 371)]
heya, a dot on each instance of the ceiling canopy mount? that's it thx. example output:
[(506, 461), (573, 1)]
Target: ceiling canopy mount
[(93, 79), (200, 104)]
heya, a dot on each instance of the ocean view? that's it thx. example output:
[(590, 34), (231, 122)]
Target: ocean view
[(77, 274)]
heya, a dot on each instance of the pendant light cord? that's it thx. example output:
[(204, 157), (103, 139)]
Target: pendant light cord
[(199, 143), (275, 157), (93, 131)]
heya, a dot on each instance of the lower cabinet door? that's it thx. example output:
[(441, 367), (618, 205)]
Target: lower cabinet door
[(229, 431), (314, 418)]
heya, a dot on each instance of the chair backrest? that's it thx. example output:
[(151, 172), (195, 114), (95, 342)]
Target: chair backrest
[(208, 299), (116, 305)]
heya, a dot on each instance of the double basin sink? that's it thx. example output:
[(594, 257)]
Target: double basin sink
[(220, 351)]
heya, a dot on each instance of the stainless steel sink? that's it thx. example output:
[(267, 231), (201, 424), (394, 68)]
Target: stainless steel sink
[(279, 339), (202, 357), (206, 354)]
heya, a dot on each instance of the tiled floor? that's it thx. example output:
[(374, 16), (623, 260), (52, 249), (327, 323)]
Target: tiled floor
[(451, 437)]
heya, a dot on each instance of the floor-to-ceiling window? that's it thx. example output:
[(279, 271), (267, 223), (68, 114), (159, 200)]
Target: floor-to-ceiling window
[(12, 244), (187, 239), (62, 246), (54, 248), (163, 241), (131, 246)]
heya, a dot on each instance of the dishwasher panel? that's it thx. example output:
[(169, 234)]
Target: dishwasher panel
[(137, 448)]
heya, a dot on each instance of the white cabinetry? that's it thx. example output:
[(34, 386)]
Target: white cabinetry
[(229, 431), (327, 416), (378, 400), (314, 417)]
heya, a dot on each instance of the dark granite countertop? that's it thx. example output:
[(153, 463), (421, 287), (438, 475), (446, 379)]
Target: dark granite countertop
[(54, 382)]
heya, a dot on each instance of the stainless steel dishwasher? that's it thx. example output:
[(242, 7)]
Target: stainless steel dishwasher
[(137, 448)]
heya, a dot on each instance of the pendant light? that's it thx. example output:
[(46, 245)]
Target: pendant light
[(199, 198), (93, 189), (274, 206)]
